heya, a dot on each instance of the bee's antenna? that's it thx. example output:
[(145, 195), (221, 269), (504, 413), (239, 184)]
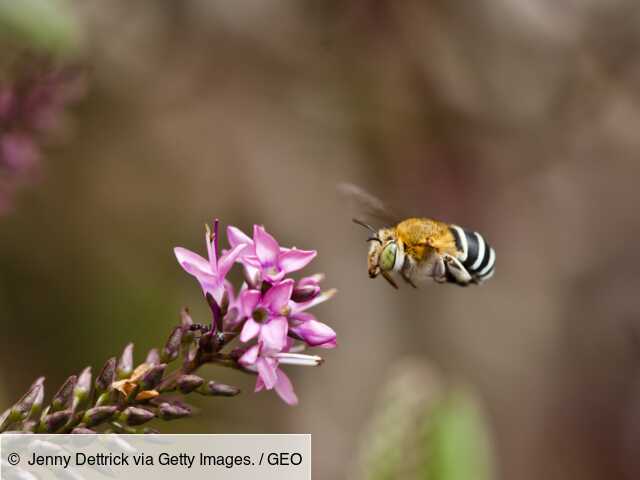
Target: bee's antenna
[(374, 239), (365, 225)]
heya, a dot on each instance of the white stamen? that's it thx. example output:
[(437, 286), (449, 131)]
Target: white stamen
[(299, 359)]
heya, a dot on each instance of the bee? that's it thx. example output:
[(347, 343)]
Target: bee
[(420, 249)]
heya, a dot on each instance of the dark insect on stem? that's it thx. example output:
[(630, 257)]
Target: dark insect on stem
[(200, 327)]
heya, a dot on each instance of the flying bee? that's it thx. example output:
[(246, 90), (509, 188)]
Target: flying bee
[(420, 248)]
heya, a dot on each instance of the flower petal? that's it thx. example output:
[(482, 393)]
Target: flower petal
[(267, 248), (192, 262), (251, 275), (273, 275), (235, 236), (284, 389), (197, 266), (250, 329), (250, 356), (273, 334), (251, 260), (248, 301), (228, 288), (227, 260), (314, 333), (278, 296), (267, 371), (323, 297), (294, 259)]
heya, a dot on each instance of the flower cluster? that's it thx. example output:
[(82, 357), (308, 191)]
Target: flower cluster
[(31, 111), (268, 313)]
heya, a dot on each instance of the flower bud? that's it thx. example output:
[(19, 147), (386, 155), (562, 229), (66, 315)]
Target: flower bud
[(314, 333), (55, 421), (82, 388), (125, 364), (106, 376), (172, 347), (305, 293), (214, 389), (153, 357), (191, 352), (135, 416), (167, 411), (188, 383), (97, 415), (62, 398), (152, 377), (36, 408), (30, 401), (307, 288)]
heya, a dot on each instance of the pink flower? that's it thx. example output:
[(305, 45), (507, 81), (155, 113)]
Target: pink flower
[(283, 387), (269, 312), (209, 273), (266, 315), (270, 375), (264, 256)]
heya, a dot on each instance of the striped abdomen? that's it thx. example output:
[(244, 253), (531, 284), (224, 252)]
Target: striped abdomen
[(476, 254)]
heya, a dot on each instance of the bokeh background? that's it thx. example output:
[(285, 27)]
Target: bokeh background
[(518, 118)]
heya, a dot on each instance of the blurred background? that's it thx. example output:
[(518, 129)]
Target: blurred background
[(516, 118)]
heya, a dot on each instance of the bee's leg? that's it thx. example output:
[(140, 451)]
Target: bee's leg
[(408, 280), (406, 272), (388, 278), (440, 271), (457, 270)]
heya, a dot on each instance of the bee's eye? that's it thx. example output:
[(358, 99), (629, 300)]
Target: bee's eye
[(388, 256)]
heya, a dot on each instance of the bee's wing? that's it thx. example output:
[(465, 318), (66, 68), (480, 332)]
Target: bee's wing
[(366, 207)]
